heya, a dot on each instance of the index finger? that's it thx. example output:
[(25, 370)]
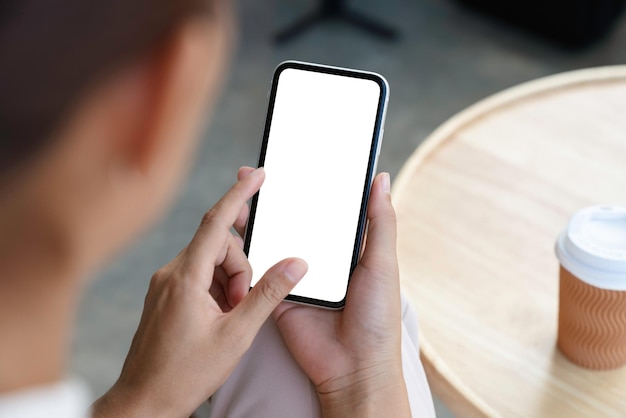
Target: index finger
[(210, 238)]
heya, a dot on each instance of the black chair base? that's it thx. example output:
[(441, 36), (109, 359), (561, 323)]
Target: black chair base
[(336, 9)]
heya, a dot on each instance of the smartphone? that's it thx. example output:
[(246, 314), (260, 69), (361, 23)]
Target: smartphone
[(320, 150)]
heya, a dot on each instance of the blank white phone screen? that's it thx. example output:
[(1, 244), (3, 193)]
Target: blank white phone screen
[(316, 164)]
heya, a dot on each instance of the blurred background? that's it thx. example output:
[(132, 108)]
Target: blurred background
[(446, 56)]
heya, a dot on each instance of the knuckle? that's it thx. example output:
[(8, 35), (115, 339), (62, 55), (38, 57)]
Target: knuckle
[(271, 291), (392, 210), (156, 285), (157, 278), (390, 214), (246, 266), (374, 265), (166, 281), (377, 265), (386, 218), (209, 217)]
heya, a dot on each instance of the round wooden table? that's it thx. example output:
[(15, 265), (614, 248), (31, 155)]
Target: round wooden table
[(480, 205)]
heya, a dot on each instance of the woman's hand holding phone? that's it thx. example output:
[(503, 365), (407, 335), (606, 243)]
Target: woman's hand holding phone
[(199, 318), (353, 356)]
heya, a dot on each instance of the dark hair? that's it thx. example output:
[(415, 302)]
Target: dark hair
[(51, 51)]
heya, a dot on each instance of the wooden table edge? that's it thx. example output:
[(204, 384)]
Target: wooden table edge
[(444, 383)]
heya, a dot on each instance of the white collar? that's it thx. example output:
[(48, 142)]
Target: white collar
[(66, 399)]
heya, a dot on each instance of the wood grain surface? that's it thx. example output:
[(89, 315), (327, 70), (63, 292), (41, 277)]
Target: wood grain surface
[(480, 205)]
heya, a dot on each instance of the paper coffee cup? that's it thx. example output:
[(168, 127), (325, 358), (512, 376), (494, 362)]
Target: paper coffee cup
[(592, 291)]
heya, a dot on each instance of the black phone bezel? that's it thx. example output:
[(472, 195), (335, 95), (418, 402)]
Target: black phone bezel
[(376, 138)]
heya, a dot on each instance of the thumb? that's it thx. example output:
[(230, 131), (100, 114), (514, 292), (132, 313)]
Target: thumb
[(269, 292)]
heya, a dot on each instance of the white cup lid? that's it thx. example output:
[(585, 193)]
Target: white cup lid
[(593, 246)]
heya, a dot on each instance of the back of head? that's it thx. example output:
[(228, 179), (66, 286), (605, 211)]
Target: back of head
[(52, 51)]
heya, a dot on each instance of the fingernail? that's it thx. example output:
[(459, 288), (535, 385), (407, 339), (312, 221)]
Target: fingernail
[(255, 173), (385, 183), (295, 270)]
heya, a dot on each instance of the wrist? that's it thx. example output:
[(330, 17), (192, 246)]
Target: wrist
[(125, 402), (372, 393)]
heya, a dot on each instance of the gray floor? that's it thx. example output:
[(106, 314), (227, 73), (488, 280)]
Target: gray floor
[(447, 59)]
